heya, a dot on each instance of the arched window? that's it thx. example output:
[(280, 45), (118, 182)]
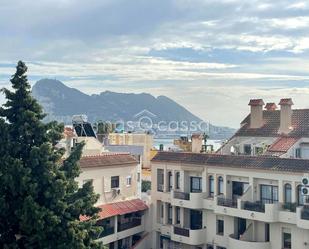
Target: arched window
[(287, 193), (300, 197), (220, 185), (211, 186)]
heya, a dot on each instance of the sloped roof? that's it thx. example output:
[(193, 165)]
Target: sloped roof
[(106, 160), (270, 128), (119, 208), (282, 144), (240, 162)]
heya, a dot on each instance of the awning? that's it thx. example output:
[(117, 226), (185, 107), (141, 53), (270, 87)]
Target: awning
[(119, 208)]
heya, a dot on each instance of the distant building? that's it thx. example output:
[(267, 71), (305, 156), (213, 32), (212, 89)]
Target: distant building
[(138, 139), (280, 133)]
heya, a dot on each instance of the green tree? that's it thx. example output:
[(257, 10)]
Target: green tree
[(40, 201)]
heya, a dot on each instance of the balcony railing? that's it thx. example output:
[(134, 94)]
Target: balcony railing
[(129, 225), (182, 231), (160, 187), (254, 206), (225, 202), (289, 206), (106, 231), (182, 195), (305, 213)]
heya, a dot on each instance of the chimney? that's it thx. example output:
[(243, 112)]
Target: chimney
[(270, 107), (197, 143), (256, 117), (285, 115)]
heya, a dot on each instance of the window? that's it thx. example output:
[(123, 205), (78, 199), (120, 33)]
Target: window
[(170, 214), (220, 226), (177, 215), (115, 182), (300, 197), (160, 180), (129, 180), (298, 153), (170, 186), (287, 193), (210, 246), (138, 177), (247, 149), (211, 186), (162, 210), (196, 219), (177, 180), (267, 229), (196, 184), (269, 194), (220, 185), (286, 236), (220, 247)]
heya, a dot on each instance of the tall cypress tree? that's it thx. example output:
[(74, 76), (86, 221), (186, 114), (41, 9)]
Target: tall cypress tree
[(40, 201)]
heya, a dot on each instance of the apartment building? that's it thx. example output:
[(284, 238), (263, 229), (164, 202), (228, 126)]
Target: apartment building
[(280, 133), (211, 201), (115, 178), (137, 139)]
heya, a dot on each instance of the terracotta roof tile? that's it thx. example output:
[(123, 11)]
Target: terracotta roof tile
[(240, 162), (270, 106), (107, 159), (287, 101), (283, 144), (300, 124), (256, 102), (119, 208)]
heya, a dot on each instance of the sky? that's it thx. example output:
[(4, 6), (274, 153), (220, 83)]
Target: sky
[(211, 56)]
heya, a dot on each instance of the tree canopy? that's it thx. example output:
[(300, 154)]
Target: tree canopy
[(40, 200)]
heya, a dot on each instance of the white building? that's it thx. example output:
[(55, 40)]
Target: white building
[(116, 177), (209, 201), (281, 133)]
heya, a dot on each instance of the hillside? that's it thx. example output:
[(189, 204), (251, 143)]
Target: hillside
[(61, 102)]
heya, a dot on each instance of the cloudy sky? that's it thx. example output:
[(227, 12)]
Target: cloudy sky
[(211, 56)]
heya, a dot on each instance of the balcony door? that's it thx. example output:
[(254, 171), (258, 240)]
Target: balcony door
[(196, 219), (240, 227), (269, 194)]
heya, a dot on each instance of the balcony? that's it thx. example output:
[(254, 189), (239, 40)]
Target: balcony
[(287, 213), (189, 236), (182, 196), (235, 243), (129, 225), (106, 232), (302, 214), (254, 206), (188, 200), (225, 202)]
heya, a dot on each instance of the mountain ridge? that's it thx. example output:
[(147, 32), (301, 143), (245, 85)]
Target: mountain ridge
[(60, 102)]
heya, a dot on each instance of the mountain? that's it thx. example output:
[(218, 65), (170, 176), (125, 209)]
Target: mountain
[(61, 102)]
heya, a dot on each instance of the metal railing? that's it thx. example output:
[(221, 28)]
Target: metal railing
[(254, 206), (181, 195), (289, 206), (129, 225), (225, 202), (182, 231)]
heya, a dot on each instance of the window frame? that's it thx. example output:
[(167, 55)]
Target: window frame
[(113, 180)]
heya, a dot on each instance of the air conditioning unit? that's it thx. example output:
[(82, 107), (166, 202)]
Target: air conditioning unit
[(305, 181), (305, 191)]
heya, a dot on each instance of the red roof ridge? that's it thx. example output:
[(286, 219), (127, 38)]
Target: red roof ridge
[(106, 154)]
